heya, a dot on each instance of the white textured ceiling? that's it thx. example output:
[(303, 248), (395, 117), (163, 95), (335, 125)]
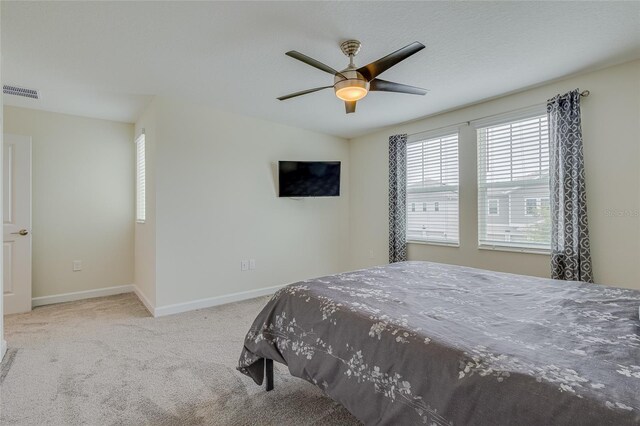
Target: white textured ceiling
[(107, 59)]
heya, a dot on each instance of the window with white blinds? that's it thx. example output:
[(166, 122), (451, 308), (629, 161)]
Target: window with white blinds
[(140, 180), (432, 189), (513, 184)]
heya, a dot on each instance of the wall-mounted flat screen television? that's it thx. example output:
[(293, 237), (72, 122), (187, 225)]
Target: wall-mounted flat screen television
[(309, 178)]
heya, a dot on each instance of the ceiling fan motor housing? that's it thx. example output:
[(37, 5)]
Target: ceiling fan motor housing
[(355, 86)]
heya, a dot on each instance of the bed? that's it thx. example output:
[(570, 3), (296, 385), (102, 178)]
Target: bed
[(427, 343)]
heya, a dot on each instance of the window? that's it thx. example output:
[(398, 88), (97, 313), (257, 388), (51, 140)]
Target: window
[(494, 207), (140, 179), (531, 206), (432, 179), (513, 166)]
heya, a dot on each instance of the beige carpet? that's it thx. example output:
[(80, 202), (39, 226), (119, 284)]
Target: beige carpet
[(106, 361)]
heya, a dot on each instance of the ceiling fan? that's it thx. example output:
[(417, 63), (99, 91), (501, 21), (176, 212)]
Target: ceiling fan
[(352, 84)]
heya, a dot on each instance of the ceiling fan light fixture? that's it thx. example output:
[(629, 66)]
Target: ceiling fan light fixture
[(352, 89)]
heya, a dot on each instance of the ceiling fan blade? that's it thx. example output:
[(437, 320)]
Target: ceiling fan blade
[(304, 92), (376, 68), (350, 106), (314, 63), (389, 86)]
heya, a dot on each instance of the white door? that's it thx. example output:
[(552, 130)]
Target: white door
[(16, 157)]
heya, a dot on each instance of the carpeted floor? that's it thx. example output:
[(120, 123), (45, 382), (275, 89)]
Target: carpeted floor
[(106, 361)]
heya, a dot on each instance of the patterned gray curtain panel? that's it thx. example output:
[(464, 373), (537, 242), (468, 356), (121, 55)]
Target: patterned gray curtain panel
[(570, 249), (397, 198)]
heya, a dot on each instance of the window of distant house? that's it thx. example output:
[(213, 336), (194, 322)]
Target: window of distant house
[(531, 206), (494, 207), (432, 179), (140, 180), (513, 166)]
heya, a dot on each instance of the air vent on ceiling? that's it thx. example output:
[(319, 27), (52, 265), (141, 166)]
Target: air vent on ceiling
[(20, 91)]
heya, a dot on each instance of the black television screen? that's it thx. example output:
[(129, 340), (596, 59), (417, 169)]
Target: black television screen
[(309, 178)]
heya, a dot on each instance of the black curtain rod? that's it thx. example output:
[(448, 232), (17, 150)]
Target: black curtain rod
[(584, 93)]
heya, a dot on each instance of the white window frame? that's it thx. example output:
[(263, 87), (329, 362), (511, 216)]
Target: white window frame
[(522, 114), (422, 136), (141, 199)]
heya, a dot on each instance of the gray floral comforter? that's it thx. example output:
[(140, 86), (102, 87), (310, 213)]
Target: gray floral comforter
[(426, 343)]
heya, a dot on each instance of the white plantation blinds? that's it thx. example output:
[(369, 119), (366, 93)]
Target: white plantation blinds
[(513, 184), (140, 179), (432, 189)]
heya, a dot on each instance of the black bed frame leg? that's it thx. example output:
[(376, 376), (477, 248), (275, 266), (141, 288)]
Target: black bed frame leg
[(268, 373)]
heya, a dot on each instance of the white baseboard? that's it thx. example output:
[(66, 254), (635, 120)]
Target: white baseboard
[(147, 304), (214, 301), (79, 295), (3, 348), (156, 312)]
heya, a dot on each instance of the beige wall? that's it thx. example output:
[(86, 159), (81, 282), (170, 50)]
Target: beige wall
[(611, 129), (216, 204), (83, 198)]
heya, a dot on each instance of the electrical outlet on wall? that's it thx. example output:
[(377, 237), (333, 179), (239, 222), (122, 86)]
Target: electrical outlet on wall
[(77, 265), (252, 264), (244, 265), (371, 254)]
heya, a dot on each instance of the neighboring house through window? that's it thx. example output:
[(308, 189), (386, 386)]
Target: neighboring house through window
[(432, 180), (513, 172)]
